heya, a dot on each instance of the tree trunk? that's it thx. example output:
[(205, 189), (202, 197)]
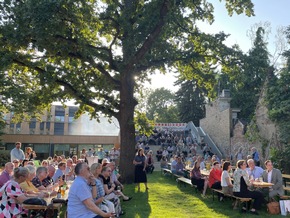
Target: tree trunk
[(127, 128)]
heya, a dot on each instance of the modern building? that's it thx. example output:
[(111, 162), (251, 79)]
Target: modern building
[(58, 132)]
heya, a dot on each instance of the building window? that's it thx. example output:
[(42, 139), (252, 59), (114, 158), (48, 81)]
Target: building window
[(58, 128), (32, 124), (71, 114), (59, 114)]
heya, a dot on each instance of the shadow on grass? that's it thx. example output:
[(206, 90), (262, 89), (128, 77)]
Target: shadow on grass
[(138, 207)]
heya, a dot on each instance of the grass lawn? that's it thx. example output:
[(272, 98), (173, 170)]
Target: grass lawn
[(166, 199)]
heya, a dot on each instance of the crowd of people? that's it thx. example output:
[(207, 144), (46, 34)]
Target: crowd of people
[(99, 196), (236, 181)]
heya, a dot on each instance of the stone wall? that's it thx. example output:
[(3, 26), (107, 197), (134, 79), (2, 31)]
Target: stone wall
[(217, 124)]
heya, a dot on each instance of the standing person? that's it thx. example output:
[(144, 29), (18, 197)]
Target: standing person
[(80, 200), (12, 196), (17, 152), (6, 174), (239, 155), (101, 155), (255, 156), (241, 184), (140, 168), (226, 182)]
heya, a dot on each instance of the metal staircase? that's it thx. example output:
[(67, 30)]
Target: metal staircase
[(197, 134)]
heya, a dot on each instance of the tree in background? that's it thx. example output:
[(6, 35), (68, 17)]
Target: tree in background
[(246, 76), (278, 99), (93, 51), (190, 99), (161, 106)]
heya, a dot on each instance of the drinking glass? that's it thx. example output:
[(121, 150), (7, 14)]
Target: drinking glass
[(49, 190)]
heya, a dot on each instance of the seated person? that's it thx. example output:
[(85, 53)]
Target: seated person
[(214, 179), (197, 179), (215, 176), (44, 163), (59, 172), (254, 171), (273, 175), (69, 171), (149, 162), (241, 184), (163, 162), (16, 163), (6, 175), (179, 167), (226, 181), (13, 196), (159, 154), (27, 185), (41, 174), (48, 180), (173, 164)]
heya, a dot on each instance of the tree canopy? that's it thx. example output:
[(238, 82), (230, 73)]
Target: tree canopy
[(92, 51)]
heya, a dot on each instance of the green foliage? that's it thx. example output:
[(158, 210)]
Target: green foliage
[(4, 157), (246, 75), (278, 100), (142, 124), (161, 107), (190, 99), (92, 51)]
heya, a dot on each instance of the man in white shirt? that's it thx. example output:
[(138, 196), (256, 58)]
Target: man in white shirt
[(254, 171), (274, 176), (17, 153)]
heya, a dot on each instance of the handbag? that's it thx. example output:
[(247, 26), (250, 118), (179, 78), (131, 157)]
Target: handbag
[(273, 207), (35, 201)]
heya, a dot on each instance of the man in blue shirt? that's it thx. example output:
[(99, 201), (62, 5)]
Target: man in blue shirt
[(254, 171), (80, 200)]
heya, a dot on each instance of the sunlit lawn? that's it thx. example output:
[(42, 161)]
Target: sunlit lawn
[(166, 199)]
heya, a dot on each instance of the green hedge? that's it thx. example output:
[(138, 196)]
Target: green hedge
[(4, 157)]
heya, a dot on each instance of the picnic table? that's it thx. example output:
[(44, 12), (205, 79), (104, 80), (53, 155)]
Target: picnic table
[(55, 207), (262, 184), (205, 172)]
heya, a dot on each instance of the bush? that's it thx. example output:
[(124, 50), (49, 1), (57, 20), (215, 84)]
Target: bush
[(4, 157)]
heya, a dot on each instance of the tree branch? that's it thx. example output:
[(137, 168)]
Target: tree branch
[(86, 101), (73, 91), (151, 37)]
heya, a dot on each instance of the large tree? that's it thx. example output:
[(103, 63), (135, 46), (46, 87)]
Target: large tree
[(92, 51)]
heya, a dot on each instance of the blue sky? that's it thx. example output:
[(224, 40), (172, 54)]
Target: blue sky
[(274, 11), (277, 12)]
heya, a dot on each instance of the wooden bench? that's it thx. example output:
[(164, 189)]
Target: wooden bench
[(166, 171), (239, 199), (286, 189), (284, 197), (186, 181)]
